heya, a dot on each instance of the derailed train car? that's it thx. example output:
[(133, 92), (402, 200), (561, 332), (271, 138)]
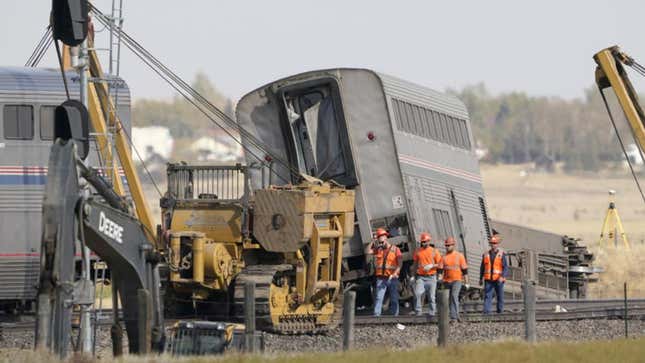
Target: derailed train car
[(407, 151), (28, 97)]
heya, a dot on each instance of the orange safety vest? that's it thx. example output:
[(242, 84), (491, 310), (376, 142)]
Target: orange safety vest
[(386, 261), (453, 263), (492, 272), (425, 256)]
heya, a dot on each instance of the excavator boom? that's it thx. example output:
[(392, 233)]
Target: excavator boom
[(118, 238), (611, 73)]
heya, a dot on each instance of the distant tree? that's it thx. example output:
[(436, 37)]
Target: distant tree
[(179, 115), (517, 128)]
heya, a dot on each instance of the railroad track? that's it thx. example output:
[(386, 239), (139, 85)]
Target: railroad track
[(552, 305), (28, 322), (546, 310), (602, 313)]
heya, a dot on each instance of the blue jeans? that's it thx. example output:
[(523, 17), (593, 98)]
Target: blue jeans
[(455, 288), (489, 287), (383, 284), (427, 285)]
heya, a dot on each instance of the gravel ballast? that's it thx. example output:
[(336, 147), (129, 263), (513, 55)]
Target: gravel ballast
[(391, 337)]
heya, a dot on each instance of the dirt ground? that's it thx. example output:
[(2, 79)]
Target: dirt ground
[(569, 204)]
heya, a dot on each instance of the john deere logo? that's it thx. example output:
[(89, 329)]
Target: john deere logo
[(110, 228)]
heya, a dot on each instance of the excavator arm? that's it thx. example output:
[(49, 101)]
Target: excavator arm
[(611, 73), (102, 223)]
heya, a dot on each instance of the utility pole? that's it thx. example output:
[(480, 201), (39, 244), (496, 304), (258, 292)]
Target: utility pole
[(81, 65)]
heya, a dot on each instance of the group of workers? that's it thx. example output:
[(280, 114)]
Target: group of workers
[(429, 268)]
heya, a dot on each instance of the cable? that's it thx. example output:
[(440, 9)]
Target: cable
[(136, 151), (167, 75), (186, 90), (622, 146), (40, 49), (62, 70), (42, 53)]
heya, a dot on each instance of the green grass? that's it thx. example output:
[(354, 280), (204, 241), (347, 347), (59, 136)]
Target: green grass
[(632, 350)]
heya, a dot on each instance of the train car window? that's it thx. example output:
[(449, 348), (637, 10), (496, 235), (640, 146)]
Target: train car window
[(459, 132), (18, 122), (427, 117), (47, 122), (443, 126), (422, 124), (436, 124), (454, 135), (408, 120), (319, 132), (397, 113), (464, 128), (409, 115), (454, 131), (429, 124)]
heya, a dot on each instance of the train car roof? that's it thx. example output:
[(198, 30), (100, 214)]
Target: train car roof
[(38, 79), (393, 86)]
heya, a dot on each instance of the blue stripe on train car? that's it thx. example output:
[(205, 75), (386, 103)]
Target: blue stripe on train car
[(23, 179), (31, 180)]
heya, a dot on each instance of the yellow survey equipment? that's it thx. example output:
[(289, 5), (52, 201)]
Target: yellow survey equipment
[(612, 227)]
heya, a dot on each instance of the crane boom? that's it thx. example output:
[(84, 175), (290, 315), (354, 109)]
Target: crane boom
[(611, 73), (101, 104)]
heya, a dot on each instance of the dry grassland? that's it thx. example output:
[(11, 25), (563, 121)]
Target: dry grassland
[(575, 205), (500, 352)]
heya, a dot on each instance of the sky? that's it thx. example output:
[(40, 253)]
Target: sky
[(543, 48)]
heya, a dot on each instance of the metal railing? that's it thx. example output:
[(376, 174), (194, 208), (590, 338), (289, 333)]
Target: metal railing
[(222, 182)]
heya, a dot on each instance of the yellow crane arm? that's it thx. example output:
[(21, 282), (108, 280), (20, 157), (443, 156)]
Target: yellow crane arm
[(611, 73), (102, 107)]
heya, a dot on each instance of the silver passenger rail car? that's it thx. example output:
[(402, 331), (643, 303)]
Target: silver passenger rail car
[(28, 97)]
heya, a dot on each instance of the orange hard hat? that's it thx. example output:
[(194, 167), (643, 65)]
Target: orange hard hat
[(495, 239), (425, 237), (381, 232), (449, 241)]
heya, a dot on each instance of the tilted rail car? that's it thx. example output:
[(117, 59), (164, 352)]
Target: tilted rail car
[(28, 97), (408, 152)]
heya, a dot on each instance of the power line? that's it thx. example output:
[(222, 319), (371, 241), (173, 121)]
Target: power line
[(197, 100)]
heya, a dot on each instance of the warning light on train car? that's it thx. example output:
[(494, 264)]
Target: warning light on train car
[(371, 136)]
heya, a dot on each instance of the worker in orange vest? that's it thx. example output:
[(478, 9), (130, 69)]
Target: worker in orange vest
[(492, 274), (427, 261), (454, 270), (387, 262)]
